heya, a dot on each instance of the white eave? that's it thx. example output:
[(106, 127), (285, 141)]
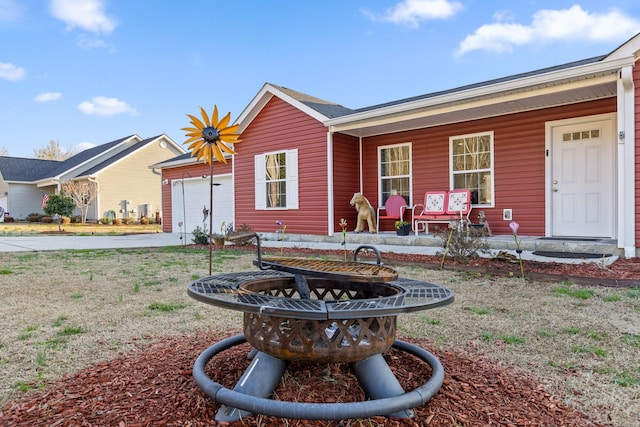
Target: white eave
[(262, 98), (561, 87), (182, 162)]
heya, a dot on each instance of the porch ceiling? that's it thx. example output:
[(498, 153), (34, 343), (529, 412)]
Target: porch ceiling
[(463, 109)]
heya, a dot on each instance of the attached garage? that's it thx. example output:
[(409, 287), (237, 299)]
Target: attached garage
[(185, 192), (189, 196)]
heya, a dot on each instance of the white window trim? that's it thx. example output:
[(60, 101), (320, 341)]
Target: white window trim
[(410, 175), (491, 169), (291, 180)]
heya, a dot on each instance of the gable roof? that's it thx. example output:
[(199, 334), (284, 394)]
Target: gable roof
[(20, 169), (112, 159), (84, 156), (104, 155), (317, 108)]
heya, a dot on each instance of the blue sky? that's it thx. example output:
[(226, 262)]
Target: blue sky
[(91, 71)]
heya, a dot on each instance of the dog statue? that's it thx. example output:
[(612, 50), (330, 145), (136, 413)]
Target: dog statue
[(482, 219), (365, 213)]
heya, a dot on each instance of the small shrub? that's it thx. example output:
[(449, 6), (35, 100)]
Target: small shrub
[(128, 220), (144, 220), (76, 219), (34, 217), (461, 245), (117, 221), (9, 219), (66, 220), (106, 221), (200, 236), (45, 219)]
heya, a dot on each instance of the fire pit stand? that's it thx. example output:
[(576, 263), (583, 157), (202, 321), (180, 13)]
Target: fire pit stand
[(299, 309)]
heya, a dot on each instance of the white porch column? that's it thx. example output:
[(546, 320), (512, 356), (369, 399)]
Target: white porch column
[(626, 162), (330, 195)]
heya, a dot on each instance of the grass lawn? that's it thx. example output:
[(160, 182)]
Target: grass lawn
[(62, 311), (27, 228)]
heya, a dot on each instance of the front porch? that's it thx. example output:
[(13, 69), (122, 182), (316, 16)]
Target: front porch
[(431, 244)]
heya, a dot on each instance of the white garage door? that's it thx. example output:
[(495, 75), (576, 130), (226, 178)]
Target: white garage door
[(190, 196)]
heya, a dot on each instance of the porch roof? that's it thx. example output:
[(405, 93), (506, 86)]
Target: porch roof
[(590, 79)]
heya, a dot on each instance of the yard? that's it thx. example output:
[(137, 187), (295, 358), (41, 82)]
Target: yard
[(63, 312), (26, 228)]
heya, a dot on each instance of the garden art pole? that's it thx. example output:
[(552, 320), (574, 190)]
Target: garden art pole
[(208, 139)]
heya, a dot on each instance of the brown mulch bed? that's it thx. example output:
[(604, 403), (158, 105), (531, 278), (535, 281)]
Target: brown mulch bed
[(622, 272), (154, 387)]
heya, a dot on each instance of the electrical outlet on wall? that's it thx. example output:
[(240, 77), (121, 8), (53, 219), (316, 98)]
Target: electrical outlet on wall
[(507, 214)]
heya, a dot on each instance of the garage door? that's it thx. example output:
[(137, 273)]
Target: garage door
[(190, 196)]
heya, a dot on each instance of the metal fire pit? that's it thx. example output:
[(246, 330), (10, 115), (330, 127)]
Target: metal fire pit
[(298, 309)]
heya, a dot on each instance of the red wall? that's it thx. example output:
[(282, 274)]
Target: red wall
[(280, 126), (519, 161), (185, 172)]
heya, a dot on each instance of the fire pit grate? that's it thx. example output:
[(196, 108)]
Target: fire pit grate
[(320, 311), (354, 271), (239, 291)]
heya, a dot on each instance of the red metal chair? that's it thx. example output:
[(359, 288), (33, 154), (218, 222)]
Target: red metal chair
[(393, 208)]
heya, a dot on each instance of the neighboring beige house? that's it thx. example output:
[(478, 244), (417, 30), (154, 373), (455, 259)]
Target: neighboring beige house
[(127, 184)]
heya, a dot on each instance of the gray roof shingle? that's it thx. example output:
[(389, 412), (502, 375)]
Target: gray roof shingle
[(25, 170), (485, 83), (118, 156)]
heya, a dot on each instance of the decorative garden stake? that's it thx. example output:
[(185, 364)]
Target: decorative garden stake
[(282, 230), (514, 228), (210, 138), (343, 226), (446, 246)]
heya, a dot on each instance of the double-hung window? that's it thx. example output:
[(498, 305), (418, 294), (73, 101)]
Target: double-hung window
[(276, 180), (471, 166), (394, 165)]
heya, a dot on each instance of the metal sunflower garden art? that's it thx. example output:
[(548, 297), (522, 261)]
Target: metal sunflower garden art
[(209, 139)]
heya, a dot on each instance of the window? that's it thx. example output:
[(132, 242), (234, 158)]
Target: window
[(395, 172), (276, 180), (471, 158)]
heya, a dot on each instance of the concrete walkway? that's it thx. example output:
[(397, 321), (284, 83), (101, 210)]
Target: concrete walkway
[(54, 243), (384, 243)]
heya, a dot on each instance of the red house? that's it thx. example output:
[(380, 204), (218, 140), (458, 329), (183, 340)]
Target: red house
[(557, 150)]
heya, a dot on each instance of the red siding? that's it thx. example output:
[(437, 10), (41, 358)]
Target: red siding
[(185, 172), (519, 161), (280, 126), (346, 178)]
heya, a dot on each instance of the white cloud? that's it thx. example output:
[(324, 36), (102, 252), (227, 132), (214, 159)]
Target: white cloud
[(47, 97), (573, 24), (10, 72), (86, 14), (87, 43), (412, 12), (10, 10), (106, 107)]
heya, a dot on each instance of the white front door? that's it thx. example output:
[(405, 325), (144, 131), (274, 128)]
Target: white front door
[(583, 180)]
